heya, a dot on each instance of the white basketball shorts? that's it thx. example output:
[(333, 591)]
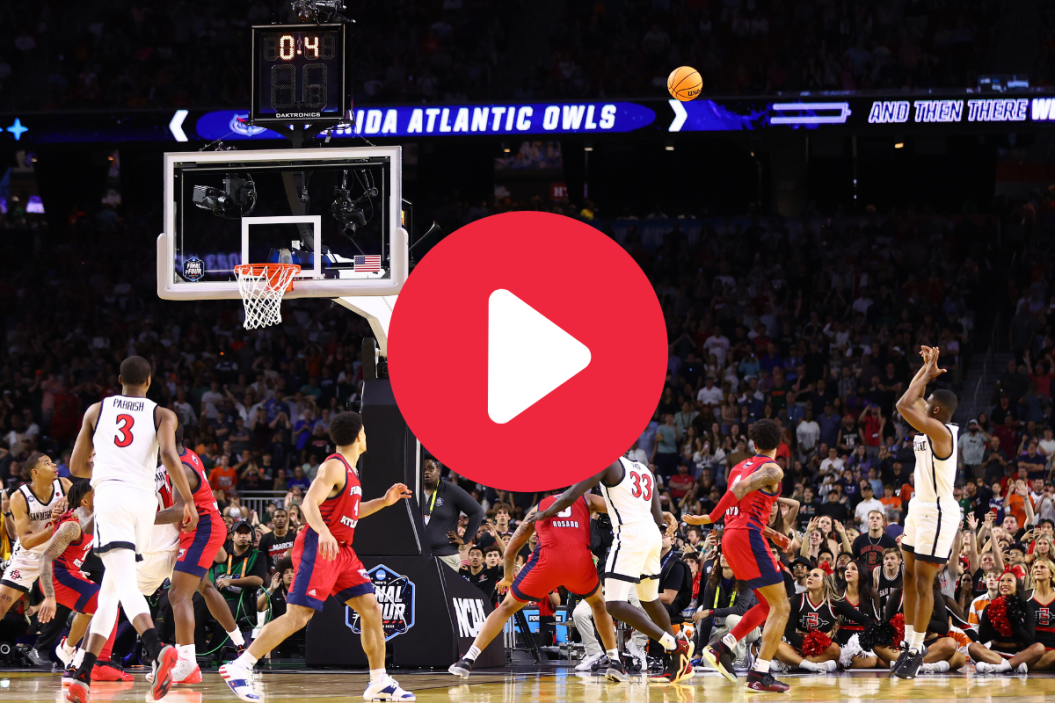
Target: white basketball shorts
[(22, 570), (930, 529), (154, 569), (124, 517), (633, 563)]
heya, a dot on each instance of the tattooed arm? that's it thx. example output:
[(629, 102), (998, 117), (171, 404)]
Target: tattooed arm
[(67, 532), (768, 475), (514, 545)]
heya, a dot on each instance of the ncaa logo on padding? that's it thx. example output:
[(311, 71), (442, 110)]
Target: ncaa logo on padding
[(395, 594)]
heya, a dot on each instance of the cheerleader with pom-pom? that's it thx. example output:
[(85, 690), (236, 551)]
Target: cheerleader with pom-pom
[(1008, 631), (814, 617), (1042, 603), (942, 653), (862, 597)]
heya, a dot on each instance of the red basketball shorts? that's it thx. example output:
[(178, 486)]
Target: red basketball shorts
[(198, 549), (750, 558), (315, 579), (542, 575), (75, 591)]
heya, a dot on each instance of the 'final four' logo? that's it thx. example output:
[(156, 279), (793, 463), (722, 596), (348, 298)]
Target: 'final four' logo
[(395, 594)]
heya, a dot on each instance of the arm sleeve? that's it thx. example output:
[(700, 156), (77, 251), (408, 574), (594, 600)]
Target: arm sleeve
[(727, 501), (464, 502), (848, 612)]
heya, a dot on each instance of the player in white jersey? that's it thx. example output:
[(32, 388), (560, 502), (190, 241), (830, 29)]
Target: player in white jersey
[(933, 514), (629, 489), (34, 508), (126, 432)]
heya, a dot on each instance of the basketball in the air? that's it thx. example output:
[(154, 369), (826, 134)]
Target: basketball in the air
[(685, 83)]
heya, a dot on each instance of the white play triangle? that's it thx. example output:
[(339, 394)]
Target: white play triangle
[(528, 357)]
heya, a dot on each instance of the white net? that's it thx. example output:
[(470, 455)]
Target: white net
[(262, 287)]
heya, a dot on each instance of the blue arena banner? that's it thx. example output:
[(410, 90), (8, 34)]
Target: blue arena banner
[(921, 112), (452, 120)]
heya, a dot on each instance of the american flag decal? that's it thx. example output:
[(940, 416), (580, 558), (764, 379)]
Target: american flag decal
[(368, 264)]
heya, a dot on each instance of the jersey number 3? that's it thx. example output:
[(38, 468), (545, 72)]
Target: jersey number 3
[(124, 427), (642, 485)]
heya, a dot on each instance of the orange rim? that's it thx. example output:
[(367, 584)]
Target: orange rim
[(273, 272)]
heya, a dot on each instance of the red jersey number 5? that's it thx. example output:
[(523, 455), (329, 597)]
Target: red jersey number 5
[(642, 485), (124, 426)]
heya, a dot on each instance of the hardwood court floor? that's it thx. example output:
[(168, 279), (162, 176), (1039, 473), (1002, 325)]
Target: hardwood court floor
[(531, 687)]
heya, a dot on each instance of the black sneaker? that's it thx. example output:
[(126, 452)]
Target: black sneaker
[(720, 658), (909, 667), (463, 668), (616, 670), (765, 683)]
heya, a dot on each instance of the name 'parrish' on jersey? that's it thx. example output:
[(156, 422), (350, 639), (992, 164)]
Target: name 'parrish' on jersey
[(132, 405)]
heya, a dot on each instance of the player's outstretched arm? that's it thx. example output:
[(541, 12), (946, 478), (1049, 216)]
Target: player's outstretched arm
[(174, 466), (568, 497), (331, 475), (392, 496), (83, 448), (912, 406)]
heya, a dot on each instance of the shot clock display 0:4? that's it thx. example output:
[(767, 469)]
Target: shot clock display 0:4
[(298, 73)]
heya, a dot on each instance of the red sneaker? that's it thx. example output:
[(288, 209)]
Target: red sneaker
[(163, 666), (108, 672), (77, 692)]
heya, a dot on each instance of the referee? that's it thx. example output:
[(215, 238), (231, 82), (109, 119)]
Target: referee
[(443, 504)]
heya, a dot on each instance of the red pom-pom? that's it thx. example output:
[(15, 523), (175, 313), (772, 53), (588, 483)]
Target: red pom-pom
[(898, 621), (814, 643), (826, 568), (998, 615)]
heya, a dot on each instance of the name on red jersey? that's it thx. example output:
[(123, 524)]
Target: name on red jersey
[(353, 520), (565, 523)]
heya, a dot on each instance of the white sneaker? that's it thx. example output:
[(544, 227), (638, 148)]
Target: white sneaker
[(777, 667), (1022, 668), (984, 667), (386, 690), (241, 681), (640, 656), (587, 663), (64, 656), (186, 671)]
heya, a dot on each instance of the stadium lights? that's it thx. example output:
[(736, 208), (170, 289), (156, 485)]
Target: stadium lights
[(899, 145)]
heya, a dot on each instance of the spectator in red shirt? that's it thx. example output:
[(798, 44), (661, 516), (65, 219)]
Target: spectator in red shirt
[(1007, 433), (681, 482), (870, 426)]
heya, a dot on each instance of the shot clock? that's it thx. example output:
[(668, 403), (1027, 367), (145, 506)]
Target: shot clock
[(298, 74)]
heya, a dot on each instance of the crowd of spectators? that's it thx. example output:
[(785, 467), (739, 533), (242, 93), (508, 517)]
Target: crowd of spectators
[(814, 323), (118, 54)]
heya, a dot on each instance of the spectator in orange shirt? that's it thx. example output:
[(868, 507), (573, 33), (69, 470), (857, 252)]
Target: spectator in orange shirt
[(892, 503), (908, 489), (1016, 503), (224, 477)]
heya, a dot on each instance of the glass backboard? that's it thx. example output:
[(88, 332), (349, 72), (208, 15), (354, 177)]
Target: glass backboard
[(335, 212)]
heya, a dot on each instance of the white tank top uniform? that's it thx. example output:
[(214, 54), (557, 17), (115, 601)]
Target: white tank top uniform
[(126, 459), (933, 513), (162, 549), (24, 566), (634, 558)]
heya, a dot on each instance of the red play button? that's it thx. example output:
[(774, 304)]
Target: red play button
[(527, 351)]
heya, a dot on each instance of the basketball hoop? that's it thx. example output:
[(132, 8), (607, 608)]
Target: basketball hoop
[(262, 287)]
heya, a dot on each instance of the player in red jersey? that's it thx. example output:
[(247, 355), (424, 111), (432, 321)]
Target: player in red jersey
[(562, 558), (61, 563), (754, 486), (326, 565), (197, 552)]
